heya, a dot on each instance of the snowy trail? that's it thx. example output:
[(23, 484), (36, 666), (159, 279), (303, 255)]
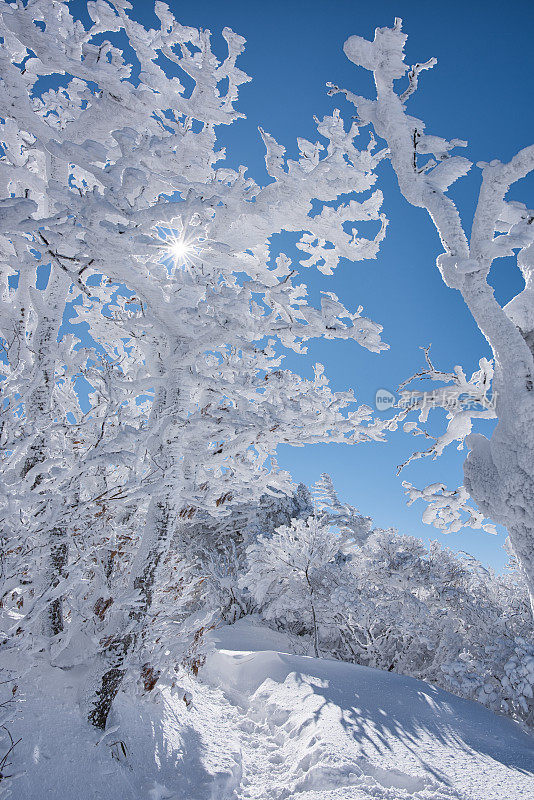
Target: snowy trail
[(268, 725), (317, 729), (286, 750), (279, 762)]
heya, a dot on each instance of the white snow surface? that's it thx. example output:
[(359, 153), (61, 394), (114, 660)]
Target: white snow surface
[(265, 724)]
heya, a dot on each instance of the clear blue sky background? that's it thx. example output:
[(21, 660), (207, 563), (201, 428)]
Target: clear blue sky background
[(481, 90)]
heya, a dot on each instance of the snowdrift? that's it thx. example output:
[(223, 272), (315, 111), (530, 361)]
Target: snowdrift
[(265, 724)]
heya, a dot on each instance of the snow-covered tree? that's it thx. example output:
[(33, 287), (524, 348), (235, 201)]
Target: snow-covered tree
[(216, 546), (146, 305), (442, 617), (344, 517), (499, 471), (290, 571)]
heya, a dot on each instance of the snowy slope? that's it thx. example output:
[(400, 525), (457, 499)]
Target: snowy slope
[(272, 726)]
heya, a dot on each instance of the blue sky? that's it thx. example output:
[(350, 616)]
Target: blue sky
[(479, 91)]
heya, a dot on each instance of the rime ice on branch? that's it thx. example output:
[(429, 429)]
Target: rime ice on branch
[(499, 472)]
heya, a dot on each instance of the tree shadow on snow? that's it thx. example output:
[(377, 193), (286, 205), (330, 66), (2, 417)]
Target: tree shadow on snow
[(164, 751), (377, 708)]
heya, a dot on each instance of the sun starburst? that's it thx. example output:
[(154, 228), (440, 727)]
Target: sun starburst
[(180, 244), (181, 250)]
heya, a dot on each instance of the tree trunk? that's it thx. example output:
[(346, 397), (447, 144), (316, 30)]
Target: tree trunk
[(57, 544), (58, 560), (38, 414), (314, 617), (110, 681), (496, 478), (117, 652)]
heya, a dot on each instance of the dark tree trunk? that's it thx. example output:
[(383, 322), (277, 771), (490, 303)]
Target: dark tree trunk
[(153, 549), (115, 656), (58, 561)]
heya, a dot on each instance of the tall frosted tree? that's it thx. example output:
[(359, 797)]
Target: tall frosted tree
[(146, 309)]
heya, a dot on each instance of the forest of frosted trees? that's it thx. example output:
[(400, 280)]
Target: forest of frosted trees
[(146, 305)]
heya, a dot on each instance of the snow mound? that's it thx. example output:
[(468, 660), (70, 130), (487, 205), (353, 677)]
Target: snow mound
[(270, 725), (325, 729)]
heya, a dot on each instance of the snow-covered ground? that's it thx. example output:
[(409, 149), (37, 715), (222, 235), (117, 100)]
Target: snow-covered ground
[(272, 725)]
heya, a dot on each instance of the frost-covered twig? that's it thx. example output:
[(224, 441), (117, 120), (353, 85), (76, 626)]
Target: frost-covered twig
[(448, 510)]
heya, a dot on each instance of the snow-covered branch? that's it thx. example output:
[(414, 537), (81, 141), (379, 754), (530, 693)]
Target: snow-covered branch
[(499, 473)]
